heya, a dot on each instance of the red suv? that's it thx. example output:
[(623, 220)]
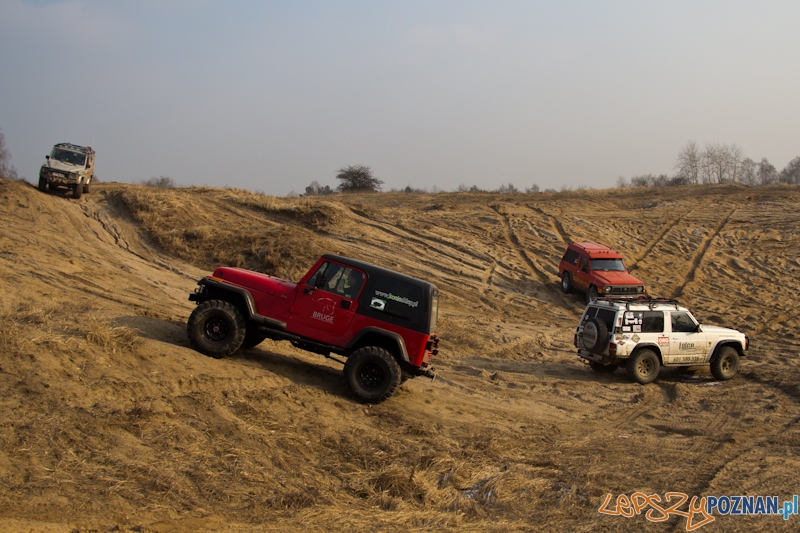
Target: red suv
[(596, 270), (381, 321)]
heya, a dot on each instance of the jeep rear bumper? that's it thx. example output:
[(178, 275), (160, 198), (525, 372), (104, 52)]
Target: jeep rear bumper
[(598, 358)]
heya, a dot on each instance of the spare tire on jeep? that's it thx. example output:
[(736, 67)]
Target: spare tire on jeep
[(595, 335)]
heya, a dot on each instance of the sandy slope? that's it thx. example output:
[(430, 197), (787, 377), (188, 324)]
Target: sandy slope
[(111, 423)]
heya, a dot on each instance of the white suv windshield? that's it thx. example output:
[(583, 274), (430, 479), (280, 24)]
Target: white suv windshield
[(73, 158)]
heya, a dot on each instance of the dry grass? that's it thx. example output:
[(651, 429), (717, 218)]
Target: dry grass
[(133, 433)]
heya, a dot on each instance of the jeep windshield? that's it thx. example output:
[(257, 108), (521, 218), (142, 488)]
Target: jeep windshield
[(66, 156), (608, 264)]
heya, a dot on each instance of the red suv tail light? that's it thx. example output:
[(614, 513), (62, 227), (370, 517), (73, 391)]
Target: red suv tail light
[(612, 349)]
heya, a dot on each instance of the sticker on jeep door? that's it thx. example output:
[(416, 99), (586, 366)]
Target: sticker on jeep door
[(327, 306)]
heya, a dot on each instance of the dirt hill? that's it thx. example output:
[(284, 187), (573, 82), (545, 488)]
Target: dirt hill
[(110, 422)]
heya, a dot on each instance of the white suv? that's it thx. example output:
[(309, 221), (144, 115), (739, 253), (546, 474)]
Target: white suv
[(647, 334)]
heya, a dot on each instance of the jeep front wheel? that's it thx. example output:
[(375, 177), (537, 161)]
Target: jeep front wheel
[(591, 294), (644, 366), (725, 364), (77, 191), (42, 184), (371, 374), (216, 328), (566, 282)]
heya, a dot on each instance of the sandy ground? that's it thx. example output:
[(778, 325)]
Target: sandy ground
[(110, 422)]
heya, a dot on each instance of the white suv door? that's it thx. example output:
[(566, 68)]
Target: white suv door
[(687, 344)]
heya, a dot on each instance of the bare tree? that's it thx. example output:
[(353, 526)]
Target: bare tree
[(315, 189), (719, 163), (689, 162), (791, 174), (357, 178), (766, 174), (7, 171), (507, 188), (735, 158), (748, 173)]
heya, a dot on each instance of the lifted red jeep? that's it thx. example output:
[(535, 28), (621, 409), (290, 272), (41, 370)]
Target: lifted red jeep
[(382, 321), (598, 271)]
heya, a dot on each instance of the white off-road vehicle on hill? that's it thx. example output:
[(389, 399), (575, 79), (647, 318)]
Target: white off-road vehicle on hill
[(68, 165), (645, 334)]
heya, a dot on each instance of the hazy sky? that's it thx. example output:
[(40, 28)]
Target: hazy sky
[(272, 95)]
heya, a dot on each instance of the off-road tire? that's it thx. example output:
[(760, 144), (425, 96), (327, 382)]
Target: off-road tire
[(566, 282), (42, 184), (87, 187), (216, 328), (591, 294), (77, 191), (371, 374), (595, 335), (252, 338), (600, 368), (725, 363), (643, 366)]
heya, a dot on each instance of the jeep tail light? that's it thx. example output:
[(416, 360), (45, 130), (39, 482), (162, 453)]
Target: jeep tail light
[(432, 344), (612, 349)]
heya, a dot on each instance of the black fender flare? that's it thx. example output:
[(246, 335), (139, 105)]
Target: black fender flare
[(214, 286), (391, 336)]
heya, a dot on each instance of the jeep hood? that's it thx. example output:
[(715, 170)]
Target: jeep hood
[(720, 331), (616, 277), (61, 165), (252, 280)]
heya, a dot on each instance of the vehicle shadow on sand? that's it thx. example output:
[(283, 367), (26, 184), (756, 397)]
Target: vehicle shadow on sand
[(301, 369)]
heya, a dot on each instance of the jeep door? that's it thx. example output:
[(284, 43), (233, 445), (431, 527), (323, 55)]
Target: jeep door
[(687, 344), (582, 277), (326, 303)]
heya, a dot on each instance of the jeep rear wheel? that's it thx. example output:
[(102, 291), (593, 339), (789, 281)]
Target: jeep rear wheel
[(216, 328), (644, 366), (566, 282), (371, 374), (725, 364)]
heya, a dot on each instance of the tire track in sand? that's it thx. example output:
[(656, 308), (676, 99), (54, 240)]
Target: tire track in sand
[(701, 253), (657, 239), (555, 224), (513, 240)]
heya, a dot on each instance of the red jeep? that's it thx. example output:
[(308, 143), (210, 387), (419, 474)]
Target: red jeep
[(598, 271), (381, 321)]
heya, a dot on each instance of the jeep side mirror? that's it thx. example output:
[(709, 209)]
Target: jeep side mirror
[(47, 157)]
